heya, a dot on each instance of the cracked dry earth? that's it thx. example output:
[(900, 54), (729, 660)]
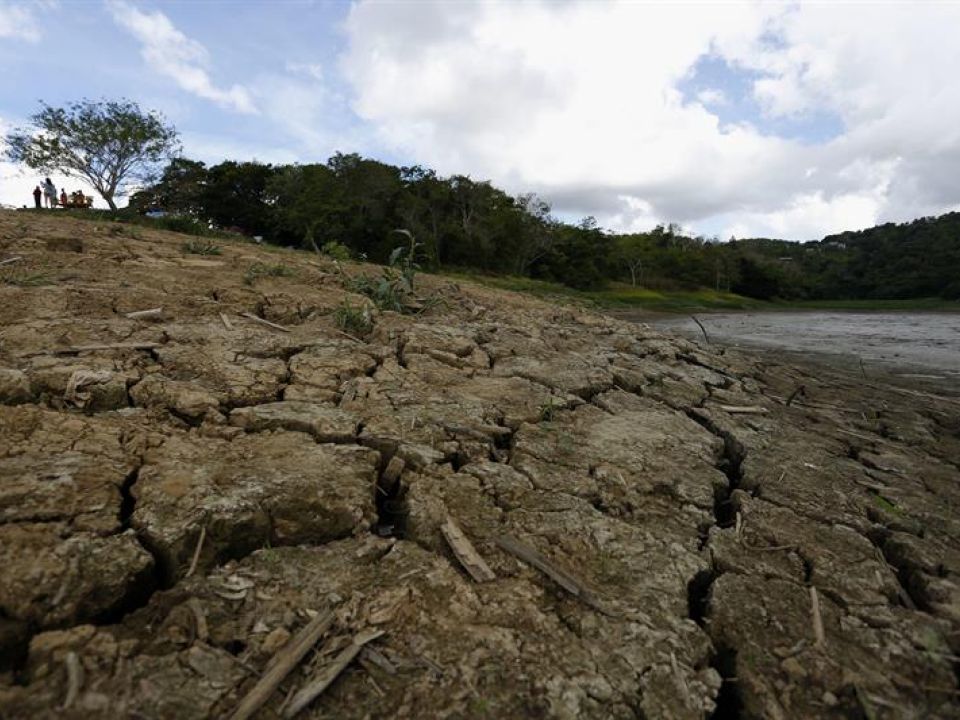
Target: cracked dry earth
[(171, 516)]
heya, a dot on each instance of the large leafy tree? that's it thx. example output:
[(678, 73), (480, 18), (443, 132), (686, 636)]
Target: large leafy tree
[(110, 144), (308, 204), (236, 195), (180, 190)]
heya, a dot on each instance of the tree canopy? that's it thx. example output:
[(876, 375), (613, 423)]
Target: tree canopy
[(465, 223), (110, 144)]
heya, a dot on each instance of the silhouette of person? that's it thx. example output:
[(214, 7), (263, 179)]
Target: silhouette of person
[(37, 194), (50, 192), (63, 196)]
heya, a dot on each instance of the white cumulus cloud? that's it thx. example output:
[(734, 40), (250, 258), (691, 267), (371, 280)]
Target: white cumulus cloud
[(169, 52), (579, 101), (18, 21)]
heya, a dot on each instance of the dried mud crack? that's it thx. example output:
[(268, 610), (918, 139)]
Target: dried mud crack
[(182, 494)]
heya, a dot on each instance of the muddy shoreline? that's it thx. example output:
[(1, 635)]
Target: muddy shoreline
[(918, 368)]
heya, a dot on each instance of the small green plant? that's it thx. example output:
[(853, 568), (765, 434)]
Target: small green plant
[(338, 251), (548, 410), (259, 270), (479, 707), (201, 247), (886, 504), (21, 277), (393, 289), (354, 320)]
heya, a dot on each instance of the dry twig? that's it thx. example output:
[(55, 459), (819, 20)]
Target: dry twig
[(349, 336), (743, 409), (74, 678), (251, 316), (702, 328), (199, 619), (816, 618), (282, 663), (196, 552), (801, 391), (564, 579), (145, 314), (322, 680), (464, 551)]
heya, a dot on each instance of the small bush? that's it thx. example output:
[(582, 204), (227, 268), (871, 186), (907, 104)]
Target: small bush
[(259, 270), (393, 289), (201, 247), (337, 251), (354, 320)]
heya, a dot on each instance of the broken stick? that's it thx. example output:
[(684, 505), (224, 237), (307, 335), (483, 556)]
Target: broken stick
[(145, 314), (349, 336), (196, 552), (322, 680), (801, 391), (816, 618), (251, 316), (226, 321), (9, 261), (702, 328), (743, 409), (74, 679), (561, 577), (282, 663), (464, 551)]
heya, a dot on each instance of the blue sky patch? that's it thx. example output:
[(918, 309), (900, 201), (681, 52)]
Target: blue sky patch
[(726, 90)]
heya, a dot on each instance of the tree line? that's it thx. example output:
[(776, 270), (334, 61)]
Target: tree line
[(357, 203), (354, 205)]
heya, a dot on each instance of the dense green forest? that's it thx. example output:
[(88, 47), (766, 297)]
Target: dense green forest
[(353, 204)]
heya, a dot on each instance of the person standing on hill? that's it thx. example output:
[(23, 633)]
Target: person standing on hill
[(37, 194), (63, 196), (50, 192)]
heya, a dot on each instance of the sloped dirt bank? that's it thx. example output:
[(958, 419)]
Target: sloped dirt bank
[(175, 509)]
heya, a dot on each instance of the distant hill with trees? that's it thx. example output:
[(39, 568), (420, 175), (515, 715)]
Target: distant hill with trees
[(356, 203)]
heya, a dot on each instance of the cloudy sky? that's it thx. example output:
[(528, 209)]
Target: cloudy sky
[(790, 120)]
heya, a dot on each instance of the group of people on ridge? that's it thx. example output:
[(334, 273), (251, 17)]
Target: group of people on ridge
[(47, 191)]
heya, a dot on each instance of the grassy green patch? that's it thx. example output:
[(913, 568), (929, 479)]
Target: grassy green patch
[(21, 277), (125, 216), (621, 295), (885, 504), (261, 270), (201, 247), (354, 320), (679, 301), (867, 305)]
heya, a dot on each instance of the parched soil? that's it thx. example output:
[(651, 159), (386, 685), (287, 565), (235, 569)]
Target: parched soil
[(714, 542)]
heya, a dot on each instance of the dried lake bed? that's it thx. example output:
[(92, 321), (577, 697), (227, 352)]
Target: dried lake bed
[(921, 346)]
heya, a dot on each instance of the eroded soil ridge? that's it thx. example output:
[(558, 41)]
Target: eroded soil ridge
[(173, 510)]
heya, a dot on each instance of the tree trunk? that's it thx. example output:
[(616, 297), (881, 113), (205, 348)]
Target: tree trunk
[(109, 198)]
